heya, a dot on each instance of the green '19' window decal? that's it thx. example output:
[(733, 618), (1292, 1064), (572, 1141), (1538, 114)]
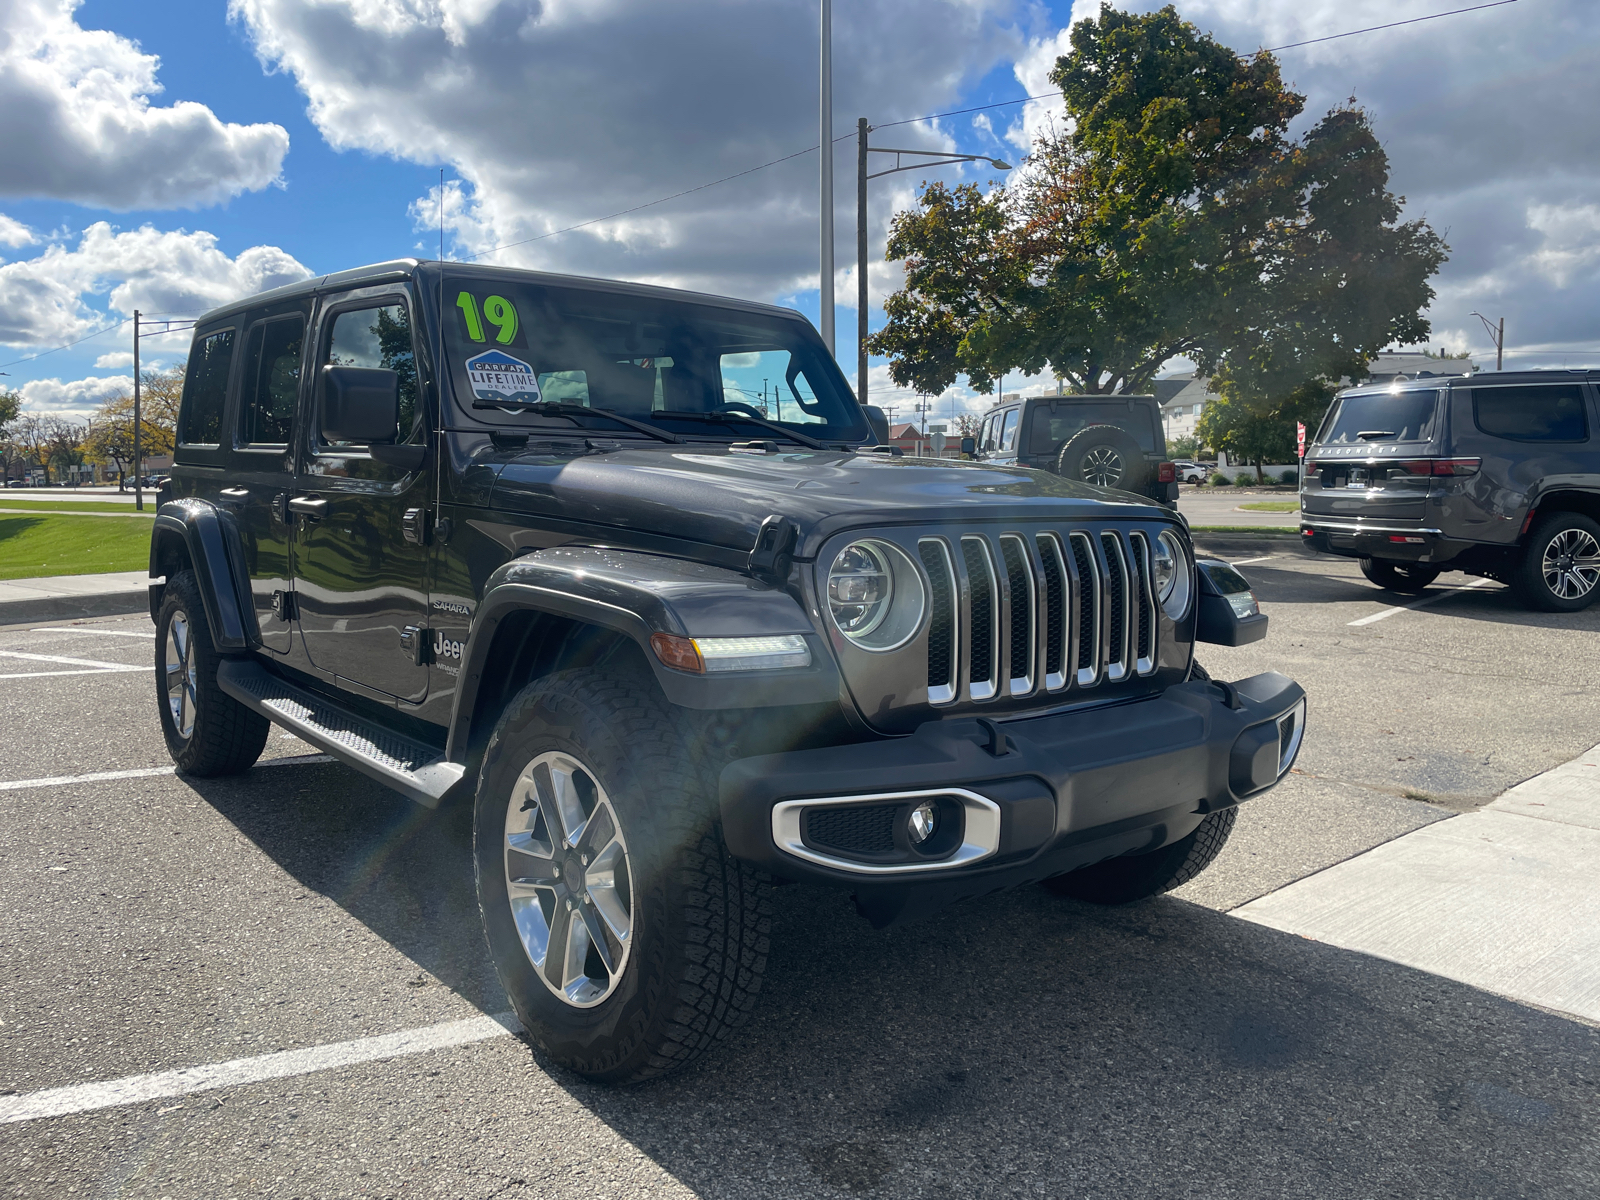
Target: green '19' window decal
[(499, 311)]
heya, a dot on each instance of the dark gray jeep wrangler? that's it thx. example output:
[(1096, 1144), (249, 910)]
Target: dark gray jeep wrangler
[(1495, 475), (625, 568)]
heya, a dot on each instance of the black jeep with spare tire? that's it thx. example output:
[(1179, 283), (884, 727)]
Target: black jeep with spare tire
[(1109, 441), (629, 570), (1496, 475)]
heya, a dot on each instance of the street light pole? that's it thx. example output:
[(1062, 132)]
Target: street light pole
[(1498, 334), (825, 150), (138, 489), (941, 158)]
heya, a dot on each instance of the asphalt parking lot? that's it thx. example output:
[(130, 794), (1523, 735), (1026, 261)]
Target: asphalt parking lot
[(1022, 1045)]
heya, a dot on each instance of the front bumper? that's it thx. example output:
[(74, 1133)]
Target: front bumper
[(1036, 796)]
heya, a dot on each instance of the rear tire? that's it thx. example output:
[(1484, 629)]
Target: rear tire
[(665, 933), (1139, 876), (1104, 456), (1560, 566), (208, 732), (1407, 578)]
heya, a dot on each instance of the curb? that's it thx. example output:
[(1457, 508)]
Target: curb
[(66, 608)]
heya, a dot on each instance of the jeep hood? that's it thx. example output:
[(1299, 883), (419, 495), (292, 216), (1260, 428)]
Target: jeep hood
[(710, 495)]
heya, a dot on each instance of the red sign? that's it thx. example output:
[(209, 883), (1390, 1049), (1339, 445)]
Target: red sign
[(1300, 432)]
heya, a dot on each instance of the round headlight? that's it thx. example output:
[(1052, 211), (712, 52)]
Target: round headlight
[(1170, 565), (875, 595)]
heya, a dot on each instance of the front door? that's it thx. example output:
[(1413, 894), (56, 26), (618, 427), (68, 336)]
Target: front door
[(361, 556), (261, 466)]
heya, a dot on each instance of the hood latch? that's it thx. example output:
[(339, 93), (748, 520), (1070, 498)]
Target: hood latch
[(774, 549)]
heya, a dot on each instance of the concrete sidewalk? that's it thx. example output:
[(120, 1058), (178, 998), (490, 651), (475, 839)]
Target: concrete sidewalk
[(64, 597), (1503, 899)]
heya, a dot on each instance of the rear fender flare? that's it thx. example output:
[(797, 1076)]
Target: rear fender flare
[(637, 595), (211, 541)]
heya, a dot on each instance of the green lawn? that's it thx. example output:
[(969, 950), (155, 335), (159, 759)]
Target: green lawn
[(1272, 506), (72, 506), (65, 545)]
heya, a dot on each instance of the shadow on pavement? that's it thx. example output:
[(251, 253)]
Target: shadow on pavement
[(1022, 1044)]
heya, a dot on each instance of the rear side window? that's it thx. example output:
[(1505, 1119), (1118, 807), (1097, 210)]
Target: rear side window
[(1408, 416), (204, 390), (986, 439), (1537, 413), (1052, 427), (1008, 433), (271, 382)]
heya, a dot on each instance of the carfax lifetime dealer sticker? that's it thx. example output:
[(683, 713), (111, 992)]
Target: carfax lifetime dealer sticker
[(498, 378)]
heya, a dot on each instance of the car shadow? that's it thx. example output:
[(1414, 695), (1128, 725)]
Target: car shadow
[(1020, 1044)]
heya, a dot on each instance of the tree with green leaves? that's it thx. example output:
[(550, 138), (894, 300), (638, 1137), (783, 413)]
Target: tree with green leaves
[(1174, 215)]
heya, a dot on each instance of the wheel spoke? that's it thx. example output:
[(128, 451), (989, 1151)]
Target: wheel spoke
[(528, 869), (599, 940), (564, 798), (597, 833), (186, 723), (532, 927)]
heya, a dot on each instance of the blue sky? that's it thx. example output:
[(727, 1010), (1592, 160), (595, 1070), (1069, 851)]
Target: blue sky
[(547, 115)]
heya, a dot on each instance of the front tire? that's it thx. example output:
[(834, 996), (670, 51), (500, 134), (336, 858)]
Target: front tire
[(626, 937), (1139, 876), (1406, 578), (1560, 566), (208, 732)]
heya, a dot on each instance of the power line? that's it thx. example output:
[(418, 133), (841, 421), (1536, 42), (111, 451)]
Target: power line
[(1333, 37), (158, 318)]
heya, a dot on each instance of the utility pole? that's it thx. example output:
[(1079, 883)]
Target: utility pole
[(825, 150), (1498, 334), (138, 487), (862, 129)]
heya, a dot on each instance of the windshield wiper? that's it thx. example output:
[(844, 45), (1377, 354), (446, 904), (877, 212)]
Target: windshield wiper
[(732, 418), (1372, 435), (562, 408)]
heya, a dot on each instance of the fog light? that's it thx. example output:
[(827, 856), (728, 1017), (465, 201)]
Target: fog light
[(924, 817)]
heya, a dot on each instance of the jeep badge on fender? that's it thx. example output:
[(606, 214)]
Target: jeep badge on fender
[(704, 632)]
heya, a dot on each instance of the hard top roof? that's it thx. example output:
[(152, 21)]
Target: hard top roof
[(1481, 378), (407, 268)]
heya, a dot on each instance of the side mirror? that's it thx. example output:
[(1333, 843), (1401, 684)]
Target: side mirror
[(969, 447), (1229, 614), (878, 422), (360, 404)]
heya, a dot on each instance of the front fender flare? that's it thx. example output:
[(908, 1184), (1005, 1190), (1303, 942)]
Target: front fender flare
[(214, 550), (636, 595)]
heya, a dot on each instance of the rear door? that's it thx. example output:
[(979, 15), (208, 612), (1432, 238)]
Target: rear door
[(359, 541), (1371, 456)]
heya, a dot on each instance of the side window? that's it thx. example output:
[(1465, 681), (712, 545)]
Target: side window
[(205, 389), (378, 337), (1008, 432), (271, 382), (1537, 413), (986, 435)]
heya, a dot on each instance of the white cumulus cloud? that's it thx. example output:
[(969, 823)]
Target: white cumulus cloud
[(15, 233), (45, 299), (74, 398), (76, 122)]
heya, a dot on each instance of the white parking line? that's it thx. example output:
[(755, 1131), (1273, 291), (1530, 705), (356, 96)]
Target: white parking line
[(17, 785), (1430, 598), (1245, 562), (149, 637), (134, 1089), (74, 662)]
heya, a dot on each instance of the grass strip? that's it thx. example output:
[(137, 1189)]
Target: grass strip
[(51, 544), (1272, 506), (72, 506), (1258, 530)]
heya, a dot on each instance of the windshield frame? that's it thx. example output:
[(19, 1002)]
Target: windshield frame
[(789, 331)]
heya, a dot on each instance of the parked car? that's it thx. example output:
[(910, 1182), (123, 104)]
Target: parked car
[(1495, 475), (16, 483), (1189, 472), (668, 643), (1108, 441)]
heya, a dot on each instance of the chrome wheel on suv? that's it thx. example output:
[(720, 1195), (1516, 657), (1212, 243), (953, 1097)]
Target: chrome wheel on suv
[(1560, 566), (1102, 466), (183, 699), (568, 879)]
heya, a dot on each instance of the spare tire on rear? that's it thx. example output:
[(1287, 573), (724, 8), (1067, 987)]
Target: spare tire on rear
[(1104, 456)]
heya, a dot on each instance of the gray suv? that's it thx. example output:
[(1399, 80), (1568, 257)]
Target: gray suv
[(1493, 475), (1109, 441)]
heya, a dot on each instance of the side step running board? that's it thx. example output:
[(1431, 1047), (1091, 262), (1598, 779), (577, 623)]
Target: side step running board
[(410, 767)]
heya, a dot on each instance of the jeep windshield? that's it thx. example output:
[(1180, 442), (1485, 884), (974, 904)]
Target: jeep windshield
[(1396, 416), (514, 348)]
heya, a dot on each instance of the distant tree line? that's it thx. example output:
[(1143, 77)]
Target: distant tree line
[(53, 445)]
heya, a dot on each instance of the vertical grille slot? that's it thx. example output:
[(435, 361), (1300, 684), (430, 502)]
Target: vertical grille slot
[(943, 640), (1117, 594), (1089, 592), (1053, 572), (1019, 574), (1144, 646), (984, 606)]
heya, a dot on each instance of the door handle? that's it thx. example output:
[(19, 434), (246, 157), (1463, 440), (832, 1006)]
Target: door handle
[(236, 493), (308, 506)]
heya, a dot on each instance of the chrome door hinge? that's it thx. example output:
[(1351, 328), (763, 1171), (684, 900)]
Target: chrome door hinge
[(414, 641), (414, 525), (284, 606)]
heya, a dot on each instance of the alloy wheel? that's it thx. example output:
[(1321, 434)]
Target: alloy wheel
[(1102, 466), (1572, 564), (568, 879), (183, 698)]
